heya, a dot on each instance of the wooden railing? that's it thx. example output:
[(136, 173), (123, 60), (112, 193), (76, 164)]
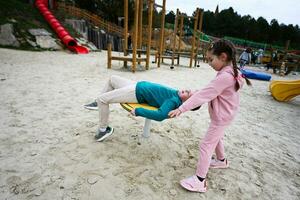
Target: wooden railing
[(91, 17)]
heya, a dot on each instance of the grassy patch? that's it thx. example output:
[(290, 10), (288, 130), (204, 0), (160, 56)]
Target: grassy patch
[(25, 16)]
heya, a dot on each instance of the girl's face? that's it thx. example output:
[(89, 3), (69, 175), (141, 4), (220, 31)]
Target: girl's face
[(185, 94), (216, 62)]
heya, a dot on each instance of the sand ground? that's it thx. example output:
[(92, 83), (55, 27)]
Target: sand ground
[(47, 149)]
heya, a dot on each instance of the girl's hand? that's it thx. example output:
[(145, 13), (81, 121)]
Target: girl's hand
[(133, 112), (174, 113)]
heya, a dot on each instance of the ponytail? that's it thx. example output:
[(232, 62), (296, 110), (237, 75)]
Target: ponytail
[(236, 74), (236, 70), (248, 81)]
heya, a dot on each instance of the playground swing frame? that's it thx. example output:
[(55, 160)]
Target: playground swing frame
[(159, 44), (136, 39), (198, 21)]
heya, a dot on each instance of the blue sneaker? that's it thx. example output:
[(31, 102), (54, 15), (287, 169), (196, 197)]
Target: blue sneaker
[(100, 136), (91, 106)]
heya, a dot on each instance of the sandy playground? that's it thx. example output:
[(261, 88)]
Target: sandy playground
[(47, 149)]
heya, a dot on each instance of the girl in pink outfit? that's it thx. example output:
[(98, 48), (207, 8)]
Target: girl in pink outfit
[(222, 97)]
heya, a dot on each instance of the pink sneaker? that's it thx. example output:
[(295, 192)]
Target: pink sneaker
[(217, 164), (193, 184)]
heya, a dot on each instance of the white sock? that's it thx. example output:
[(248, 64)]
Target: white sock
[(102, 129)]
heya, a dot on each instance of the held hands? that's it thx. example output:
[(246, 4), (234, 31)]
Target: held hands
[(174, 113), (132, 112)]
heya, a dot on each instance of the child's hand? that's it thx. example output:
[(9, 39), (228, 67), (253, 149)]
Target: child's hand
[(174, 113), (133, 112)]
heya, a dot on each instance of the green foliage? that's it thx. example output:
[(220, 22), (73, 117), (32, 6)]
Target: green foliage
[(170, 17), (20, 11), (23, 16), (230, 23), (109, 10)]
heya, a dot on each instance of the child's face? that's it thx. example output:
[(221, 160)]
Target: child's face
[(216, 62), (184, 94)]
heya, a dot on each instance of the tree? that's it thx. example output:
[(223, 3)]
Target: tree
[(274, 34), (263, 27), (88, 5), (109, 10), (170, 17), (209, 23)]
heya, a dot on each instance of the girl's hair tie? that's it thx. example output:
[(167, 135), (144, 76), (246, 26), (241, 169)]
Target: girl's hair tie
[(238, 77)]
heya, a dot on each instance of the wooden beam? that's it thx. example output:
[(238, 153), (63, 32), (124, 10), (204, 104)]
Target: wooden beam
[(162, 31), (109, 55), (194, 37), (174, 36), (127, 58), (125, 30), (198, 41), (180, 33), (125, 26), (158, 6), (150, 14), (135, 34), (140, 25)]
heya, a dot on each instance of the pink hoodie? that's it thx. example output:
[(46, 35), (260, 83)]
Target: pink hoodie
[(222, 98)]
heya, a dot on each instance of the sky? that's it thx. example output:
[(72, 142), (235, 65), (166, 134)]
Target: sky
[(284, 11)]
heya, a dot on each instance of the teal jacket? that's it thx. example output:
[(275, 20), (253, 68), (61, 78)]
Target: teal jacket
[(162, 97)]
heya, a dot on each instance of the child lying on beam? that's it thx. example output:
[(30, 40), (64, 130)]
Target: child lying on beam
[(121, 90)]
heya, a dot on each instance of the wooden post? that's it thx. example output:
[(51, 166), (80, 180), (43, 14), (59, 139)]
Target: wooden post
[(135, 34), (150, 13), (140, 28), (125, 30), (174, 36), (140, 24), (194, 37), (162, 32), (180, 37), (180, 33), (198, 41), (109, 55), (125, 27)]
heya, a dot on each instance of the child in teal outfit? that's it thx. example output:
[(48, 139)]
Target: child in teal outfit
[(121, 90)]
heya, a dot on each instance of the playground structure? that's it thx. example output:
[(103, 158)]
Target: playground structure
[(176, 49), (156, 44), (285, 90), (91, 17), (65, 37), (136, 39), (160, 54), (285, 62), (159, 44)]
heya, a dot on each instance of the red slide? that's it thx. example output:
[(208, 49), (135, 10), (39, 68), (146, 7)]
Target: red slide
[(65, 37)]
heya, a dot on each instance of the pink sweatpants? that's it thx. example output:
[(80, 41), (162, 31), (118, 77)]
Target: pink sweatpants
[(213, 140)]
